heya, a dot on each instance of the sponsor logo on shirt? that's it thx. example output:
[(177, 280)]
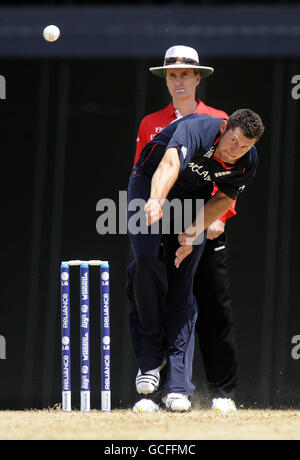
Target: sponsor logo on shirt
[(223, 173), (183, 151), (158, 129)]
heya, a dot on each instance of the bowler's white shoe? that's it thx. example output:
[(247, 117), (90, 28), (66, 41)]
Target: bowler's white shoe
[(223, 405), (148, 382), (177, 402), (145, 405)]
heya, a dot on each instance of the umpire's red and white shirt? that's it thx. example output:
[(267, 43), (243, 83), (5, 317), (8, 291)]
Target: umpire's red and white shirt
[(155, 122)]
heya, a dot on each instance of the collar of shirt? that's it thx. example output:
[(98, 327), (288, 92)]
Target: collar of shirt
[(175, 114), (242, 163)]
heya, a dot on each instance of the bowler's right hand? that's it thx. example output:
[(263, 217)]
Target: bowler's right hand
[(153, 211)]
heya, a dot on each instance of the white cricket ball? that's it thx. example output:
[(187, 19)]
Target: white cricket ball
[(51, 33)]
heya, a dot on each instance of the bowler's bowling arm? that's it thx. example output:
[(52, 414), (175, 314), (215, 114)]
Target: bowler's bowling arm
[(163, 180), (165, 175)]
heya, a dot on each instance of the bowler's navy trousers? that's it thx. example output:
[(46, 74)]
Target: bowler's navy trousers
[(163, 307)]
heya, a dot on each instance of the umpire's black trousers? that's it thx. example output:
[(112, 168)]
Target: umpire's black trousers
[(214, 325)]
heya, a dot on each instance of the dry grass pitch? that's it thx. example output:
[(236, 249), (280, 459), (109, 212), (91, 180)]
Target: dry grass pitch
[(126, 425)]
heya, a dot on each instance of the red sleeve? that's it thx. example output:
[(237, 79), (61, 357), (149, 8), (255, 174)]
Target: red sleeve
[(231, 211)]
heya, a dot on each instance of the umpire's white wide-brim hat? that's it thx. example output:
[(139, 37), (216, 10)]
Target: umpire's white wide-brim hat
[(181, 57)]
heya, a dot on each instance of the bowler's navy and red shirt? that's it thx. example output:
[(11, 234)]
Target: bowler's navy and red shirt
[(195, 137)]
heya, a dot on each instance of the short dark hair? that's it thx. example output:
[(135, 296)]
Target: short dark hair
[(249, 122)]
